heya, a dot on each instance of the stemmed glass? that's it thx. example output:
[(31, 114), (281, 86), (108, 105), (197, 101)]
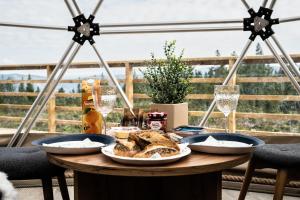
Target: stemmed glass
[(227, 97), (104, 97)]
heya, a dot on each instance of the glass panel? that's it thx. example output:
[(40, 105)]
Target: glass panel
[(276, 107)]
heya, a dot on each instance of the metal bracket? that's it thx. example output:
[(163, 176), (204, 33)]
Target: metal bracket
[(84, 29), (260, 23)]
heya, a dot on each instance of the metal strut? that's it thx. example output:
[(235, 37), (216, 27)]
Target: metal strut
[(84, 30), (260, 23)]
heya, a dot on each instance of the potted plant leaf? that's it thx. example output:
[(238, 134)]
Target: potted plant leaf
[(168, 85)]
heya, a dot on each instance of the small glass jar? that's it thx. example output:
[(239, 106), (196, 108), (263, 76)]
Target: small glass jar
[(157, 121)]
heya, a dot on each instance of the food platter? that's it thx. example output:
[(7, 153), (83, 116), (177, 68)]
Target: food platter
[(96, 141), (197, 143), (108, 151)]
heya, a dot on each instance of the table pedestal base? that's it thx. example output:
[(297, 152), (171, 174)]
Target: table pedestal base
[(104, 187)]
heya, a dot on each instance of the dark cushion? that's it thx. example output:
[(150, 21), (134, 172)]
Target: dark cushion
[(21, 163), (278, 155)]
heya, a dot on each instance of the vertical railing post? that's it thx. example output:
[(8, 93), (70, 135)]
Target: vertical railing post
[(232, 118), (51, 107), (129, 82)]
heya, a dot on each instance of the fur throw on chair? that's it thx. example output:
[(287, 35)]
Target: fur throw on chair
[(7, 190)]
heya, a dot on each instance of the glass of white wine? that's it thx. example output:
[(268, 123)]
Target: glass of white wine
[(104, 97), (227, 97)]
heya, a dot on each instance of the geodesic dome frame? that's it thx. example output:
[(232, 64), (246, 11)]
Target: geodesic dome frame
[(259, 23)]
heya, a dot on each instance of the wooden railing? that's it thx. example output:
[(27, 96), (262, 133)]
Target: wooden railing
[(130, 81)]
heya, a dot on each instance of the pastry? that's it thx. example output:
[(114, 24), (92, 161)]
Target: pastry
[(154, 137), (152, 149), (144, 144), (126, 148)]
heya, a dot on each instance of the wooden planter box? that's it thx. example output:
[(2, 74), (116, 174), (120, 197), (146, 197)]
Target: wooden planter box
[(177, 113)]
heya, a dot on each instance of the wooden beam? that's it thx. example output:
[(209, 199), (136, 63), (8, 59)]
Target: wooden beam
[(264, 79), (129, 82), (242, 97), (270, 116), (44, 81), (19, 94), (51, 107), (193, 80), (267, 59), (15, 106), (79, 109), (231, 118), (238, 80), (19, 119), (190, 96)]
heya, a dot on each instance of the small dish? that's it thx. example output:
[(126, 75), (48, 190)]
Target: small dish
[(188, 130), (122, 132), (105, 139), (108, 151)]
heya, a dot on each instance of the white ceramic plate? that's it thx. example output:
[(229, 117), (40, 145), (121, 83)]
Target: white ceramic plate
[(108, 151), (222, 150), (74, 151), (106, 140)]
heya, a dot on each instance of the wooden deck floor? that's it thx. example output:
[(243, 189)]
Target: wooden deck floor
[(36, 193)]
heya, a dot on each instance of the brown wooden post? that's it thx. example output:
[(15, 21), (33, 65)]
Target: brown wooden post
[(51, 107), (232, 118), (129, 81)]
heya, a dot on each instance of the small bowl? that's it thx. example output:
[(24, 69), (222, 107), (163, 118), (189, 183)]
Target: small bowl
[(187, 130), (122, 132)]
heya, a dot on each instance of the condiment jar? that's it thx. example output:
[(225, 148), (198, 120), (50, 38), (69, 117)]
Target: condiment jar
[(157, 121)]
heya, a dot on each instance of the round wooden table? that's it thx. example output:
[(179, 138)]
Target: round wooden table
[(198, 176)]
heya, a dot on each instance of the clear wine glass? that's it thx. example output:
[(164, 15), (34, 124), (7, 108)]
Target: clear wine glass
[(227, 97), (104, 97)]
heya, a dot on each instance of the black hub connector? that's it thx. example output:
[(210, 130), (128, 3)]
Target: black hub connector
[(84, 29), (260, 23)]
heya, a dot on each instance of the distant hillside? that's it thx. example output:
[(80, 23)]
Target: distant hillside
[(68, 87), (16, 76)]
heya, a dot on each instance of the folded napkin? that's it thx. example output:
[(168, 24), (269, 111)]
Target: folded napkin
[(87, 143), (211, 141)]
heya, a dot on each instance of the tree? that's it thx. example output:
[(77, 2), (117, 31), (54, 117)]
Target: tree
[(29, 86), (21, 99), (21, 87), (258, 50), (102, 77), (2, 89), (9, 87), (61, 90), (38, 89), (78, 88), (233, 53)]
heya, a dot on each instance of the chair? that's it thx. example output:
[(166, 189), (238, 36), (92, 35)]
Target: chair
[(24, 163), (283, 157)]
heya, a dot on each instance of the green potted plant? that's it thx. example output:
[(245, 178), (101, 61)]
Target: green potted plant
[(168, 85)]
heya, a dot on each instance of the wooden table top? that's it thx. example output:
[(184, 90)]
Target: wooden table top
[(196, 163)]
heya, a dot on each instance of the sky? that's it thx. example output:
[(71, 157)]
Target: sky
[(19, 45)]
